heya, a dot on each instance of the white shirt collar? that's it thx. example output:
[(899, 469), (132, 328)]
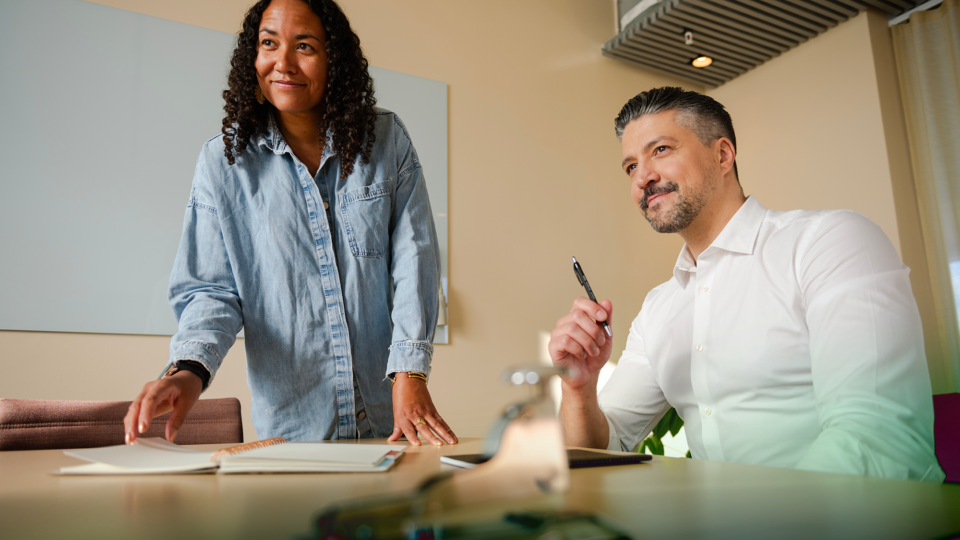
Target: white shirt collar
[(739, 235)]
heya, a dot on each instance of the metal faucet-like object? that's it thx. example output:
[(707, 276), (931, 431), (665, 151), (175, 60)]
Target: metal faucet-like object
[(527, 460), (540, 406)]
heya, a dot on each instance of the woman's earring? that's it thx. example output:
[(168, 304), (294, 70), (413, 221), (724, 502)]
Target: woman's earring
[(259, 95)]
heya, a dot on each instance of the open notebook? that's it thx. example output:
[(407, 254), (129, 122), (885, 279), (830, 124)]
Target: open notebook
[(158, 456)]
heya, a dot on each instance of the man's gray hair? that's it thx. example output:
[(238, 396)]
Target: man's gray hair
[(701, 114)]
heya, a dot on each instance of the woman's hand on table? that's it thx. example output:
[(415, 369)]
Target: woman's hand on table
[(178, 393), (413, 413)]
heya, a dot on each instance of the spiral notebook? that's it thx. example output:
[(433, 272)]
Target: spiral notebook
[(158, 456)]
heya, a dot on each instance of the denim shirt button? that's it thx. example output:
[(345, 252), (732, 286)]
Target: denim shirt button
[(362, 415), (326, 205)]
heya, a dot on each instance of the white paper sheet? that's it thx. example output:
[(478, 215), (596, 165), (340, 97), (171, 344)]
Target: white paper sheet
[(146, 456)]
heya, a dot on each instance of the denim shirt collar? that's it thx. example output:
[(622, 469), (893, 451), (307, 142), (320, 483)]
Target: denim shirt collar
[(272, 138)]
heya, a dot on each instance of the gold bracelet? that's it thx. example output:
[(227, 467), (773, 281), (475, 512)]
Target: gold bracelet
[(410, 375)]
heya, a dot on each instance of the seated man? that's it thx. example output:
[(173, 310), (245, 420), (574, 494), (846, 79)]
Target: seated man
[(789, 339)]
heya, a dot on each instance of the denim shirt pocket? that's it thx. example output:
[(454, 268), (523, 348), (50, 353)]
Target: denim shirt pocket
[(366, 218)]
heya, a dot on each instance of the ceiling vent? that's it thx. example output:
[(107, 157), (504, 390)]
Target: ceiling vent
[(737, 35)]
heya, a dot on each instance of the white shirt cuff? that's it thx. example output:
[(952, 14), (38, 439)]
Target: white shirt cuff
[(614, 442)]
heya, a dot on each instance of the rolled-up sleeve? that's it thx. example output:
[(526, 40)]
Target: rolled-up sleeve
[(632, 399), (203, 292), (415, 266), (870, 377)]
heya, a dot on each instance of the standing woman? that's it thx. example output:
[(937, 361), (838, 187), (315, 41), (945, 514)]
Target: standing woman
[(309, 226)]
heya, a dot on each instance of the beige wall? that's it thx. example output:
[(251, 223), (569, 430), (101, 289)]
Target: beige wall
[(534, 179)]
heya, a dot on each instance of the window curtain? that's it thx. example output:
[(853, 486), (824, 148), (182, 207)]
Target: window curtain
[(927, 51)]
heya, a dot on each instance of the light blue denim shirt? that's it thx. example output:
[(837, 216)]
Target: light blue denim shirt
[(334, 281)]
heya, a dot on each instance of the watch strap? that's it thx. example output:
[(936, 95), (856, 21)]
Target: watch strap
[(193, 367)]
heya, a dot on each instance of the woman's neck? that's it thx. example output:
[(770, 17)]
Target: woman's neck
[(301, 131)]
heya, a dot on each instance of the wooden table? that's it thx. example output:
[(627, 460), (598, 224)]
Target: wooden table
[(664, 498)]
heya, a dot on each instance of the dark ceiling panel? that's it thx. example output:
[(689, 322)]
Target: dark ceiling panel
[(723, 33), (738, 34)]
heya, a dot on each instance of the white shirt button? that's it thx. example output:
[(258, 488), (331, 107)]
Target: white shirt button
[(707, 411), (699, 348), (326, 205), (704, 288)]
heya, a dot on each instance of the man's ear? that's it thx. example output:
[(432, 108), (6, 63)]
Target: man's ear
[(726, 154)]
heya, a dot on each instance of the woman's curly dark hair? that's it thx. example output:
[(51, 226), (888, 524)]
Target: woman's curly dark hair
[(348, 100)]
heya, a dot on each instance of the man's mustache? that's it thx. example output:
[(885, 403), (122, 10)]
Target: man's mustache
[(656, 190)]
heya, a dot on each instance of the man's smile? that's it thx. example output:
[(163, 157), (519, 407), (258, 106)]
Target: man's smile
[(654, 193), (655, 198)]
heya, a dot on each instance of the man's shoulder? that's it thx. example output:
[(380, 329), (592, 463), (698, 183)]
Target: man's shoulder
[(808, 219), (826, 245), (804, 227)]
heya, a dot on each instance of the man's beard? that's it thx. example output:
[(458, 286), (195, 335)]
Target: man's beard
[(681, 215)]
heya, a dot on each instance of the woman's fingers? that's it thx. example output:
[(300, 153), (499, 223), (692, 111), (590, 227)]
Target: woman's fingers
[(429, 426), (415, 414), (442, 429), (141, 411), (179, 391), (404, 428), (158, 400), (130, 432), (423, 428), (410, 432)]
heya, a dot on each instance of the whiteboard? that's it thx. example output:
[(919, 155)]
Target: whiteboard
[(103, 114)]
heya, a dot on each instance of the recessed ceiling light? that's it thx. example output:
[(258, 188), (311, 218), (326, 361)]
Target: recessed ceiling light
[(701, 61)]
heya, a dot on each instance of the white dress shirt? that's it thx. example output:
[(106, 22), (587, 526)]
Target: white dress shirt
[(794, 341)]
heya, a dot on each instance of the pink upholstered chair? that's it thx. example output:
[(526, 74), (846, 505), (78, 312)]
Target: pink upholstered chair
[(29, 424), (946, 434)]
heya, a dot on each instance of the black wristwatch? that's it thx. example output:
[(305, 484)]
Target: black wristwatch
[(193, 367)]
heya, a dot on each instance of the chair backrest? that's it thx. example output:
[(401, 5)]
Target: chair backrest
[(946, 434), (33, 424)]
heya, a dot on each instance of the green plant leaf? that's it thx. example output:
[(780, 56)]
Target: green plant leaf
[(653, 444), (662, 426), (675, 422), (670, 423), (658, 447)]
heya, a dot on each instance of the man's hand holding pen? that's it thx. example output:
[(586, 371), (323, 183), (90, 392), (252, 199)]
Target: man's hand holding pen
[(580, 343), (582, 340)]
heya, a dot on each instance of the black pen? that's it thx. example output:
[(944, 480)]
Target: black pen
[(586, 285)]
